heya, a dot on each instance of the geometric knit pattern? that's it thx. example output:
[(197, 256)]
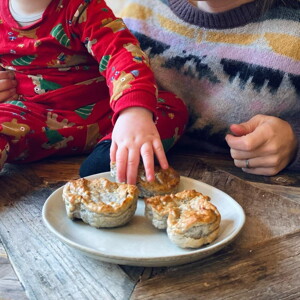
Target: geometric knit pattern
[(227, 67)]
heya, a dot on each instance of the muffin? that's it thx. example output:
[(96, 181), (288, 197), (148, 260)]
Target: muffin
[(100, 202), (165, 182), (189, 217)]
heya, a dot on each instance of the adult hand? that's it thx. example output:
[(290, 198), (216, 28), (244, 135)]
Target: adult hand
[(7, 85), (268, 143), (135, 135)]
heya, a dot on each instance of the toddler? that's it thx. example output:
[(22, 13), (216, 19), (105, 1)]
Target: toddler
[(73, 77)]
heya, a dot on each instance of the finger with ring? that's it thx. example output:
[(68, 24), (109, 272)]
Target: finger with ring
[(247, 164)]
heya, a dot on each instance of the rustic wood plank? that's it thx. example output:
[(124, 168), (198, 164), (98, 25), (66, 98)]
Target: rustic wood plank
[(289, 192), (224, 162), (10, 286), (55, 170), (268, 271), (47, 268)]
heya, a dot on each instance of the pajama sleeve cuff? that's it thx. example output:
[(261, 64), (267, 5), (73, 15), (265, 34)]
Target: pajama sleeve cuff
[(135, 99)]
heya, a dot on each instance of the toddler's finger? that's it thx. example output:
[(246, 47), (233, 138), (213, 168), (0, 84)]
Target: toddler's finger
[(160, 154), (8, 95), (113, 151), (133, 161), (148, 160), (7, 75), (121, 162)]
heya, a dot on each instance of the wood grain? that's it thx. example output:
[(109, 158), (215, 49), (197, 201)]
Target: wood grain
[(266, 271), (9, 282), (263, 262)]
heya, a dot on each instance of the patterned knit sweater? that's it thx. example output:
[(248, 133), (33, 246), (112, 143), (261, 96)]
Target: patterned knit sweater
[(227, 66)]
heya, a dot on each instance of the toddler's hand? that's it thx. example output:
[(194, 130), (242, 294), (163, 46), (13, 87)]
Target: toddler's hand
[(268, 143), (135, 135), (7, 85)]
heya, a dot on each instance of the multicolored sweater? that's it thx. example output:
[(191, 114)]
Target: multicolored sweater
[(227, 66), (76, 55)]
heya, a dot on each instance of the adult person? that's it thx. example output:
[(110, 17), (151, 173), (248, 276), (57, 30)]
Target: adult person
[(236, 64)]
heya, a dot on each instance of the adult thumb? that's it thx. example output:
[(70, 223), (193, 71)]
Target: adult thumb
[(246, 127)]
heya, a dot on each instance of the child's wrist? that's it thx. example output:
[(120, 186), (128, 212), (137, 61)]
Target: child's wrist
[(136, 110)]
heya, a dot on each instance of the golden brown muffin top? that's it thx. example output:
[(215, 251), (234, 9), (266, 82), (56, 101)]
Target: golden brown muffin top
[(185, 209), (99, 195), (165, 180)]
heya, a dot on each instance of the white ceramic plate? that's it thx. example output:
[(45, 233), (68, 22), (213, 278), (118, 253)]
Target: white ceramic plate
[(138, 243)]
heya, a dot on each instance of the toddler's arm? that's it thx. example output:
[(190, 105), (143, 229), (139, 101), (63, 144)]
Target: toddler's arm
[(133, 92)]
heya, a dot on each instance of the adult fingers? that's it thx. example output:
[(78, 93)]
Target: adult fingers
[(239, 129), (242, 155), (249, 142), (248, 126), (269, 165)]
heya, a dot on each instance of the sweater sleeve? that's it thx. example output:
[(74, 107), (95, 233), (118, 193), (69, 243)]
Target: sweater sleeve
[(121, 61), (295, 164)]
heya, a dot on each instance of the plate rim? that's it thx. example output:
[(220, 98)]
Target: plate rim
[(148, 261)]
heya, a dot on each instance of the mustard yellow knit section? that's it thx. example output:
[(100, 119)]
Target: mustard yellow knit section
[(176, 28), (136, 11), (283, 44), (231, 38)]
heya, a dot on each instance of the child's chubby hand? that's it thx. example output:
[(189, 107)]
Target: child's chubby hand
[(135, 135), (7, 85)]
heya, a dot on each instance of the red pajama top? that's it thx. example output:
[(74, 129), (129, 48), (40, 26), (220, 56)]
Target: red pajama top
[(78, 54)]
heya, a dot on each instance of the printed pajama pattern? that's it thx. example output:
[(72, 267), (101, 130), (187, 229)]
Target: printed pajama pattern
[(75, 73)]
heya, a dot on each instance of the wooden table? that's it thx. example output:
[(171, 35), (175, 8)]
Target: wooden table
[(262, 263)]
